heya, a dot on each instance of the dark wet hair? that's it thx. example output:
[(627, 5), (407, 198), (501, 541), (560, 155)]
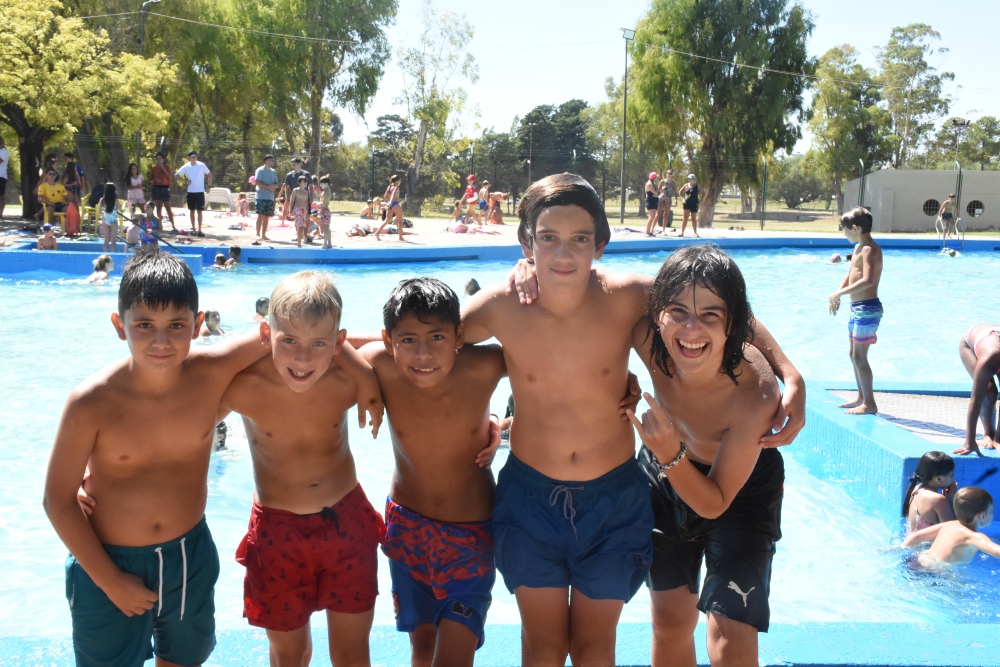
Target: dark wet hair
[(157, 280), (970, 501), (709, 267), (930, 466), (235, 250), (424, 298), (859, 216), (561, 190), (110, 198), (262, 302)]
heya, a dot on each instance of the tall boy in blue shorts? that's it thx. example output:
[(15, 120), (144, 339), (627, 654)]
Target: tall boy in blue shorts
[(861, 283), (439, 537), (144, 566)]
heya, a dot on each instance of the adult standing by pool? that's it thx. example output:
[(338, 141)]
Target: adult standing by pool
[(266, 179), (690, 194), (162, 179), (652, 202), (292, 182), (668, 193), (199, 178), (4, 160)]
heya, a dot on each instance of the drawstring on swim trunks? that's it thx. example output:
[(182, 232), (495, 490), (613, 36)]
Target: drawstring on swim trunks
[(569, 512), (184, 574), (330, 514)]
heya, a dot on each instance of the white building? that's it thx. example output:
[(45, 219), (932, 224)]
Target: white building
[(903, 200)]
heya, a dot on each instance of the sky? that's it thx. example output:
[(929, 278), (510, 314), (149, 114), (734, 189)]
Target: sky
[(547, 52)]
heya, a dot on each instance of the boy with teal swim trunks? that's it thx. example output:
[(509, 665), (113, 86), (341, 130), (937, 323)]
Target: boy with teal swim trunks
[(861, 283), (439, 536), (144, 566)]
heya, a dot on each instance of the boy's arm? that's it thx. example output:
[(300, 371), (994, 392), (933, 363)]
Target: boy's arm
[(986, 545), (369, 393), (476, 316), (70, 453), (791, 415), (709, 496), (921, 536), (866, 280), (233, 355)]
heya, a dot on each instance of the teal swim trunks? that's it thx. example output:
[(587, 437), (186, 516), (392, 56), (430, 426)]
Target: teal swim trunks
[(180, 628)]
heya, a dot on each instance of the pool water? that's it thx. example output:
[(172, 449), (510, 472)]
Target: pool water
[(834, 563)]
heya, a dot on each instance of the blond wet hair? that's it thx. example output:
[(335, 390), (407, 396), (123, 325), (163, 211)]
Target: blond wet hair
[(306, 295)]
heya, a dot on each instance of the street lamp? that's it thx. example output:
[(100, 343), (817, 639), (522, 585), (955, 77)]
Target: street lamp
[(531, 145), (142, 47), (960, 125), (629, 35)]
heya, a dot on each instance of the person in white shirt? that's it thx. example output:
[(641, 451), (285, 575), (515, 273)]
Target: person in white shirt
[(4, 159), (199, 178)]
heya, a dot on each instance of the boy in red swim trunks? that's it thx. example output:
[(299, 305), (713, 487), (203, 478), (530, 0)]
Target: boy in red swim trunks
[(471, 200), (313, 535), (439, 536)]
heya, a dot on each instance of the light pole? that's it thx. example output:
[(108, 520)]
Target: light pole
[(531, 145), (574, 161), (960, 125), (629, 35), (142, 47), (472, 160)]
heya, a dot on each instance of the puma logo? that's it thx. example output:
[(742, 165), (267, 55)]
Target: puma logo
[(733, 586)]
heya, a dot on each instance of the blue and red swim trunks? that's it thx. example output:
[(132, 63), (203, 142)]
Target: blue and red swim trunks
[(440, 570), (863, 323)]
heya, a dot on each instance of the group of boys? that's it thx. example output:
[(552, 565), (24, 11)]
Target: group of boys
[(569, 523)]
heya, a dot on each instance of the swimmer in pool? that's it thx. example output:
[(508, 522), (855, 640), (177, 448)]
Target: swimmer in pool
[(960, 540), (103, 266), (928, 501), (212, 321)]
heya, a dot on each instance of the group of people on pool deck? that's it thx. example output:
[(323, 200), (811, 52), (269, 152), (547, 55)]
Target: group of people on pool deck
[(574, 523)]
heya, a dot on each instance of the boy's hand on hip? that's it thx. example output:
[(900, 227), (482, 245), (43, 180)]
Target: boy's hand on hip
[(131, 596)]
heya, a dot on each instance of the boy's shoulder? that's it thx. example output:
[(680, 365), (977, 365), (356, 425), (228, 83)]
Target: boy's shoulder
[(756, 380), (105, 387)]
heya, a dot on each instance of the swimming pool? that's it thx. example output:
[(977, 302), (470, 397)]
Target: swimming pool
[(57, 332)]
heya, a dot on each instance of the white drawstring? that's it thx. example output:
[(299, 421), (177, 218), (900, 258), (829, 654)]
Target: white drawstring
[(159, 552), (184, 563)]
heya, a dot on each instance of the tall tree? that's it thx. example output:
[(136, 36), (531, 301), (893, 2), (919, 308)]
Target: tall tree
[(432, 93), (737, 112), (847, 122), (58, 73), (912, 88), (982, 145)]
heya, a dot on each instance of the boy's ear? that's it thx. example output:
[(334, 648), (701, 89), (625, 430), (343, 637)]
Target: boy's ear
[(459, 337), (199, 319), (387, 341), (339, 342), (599, 252), (119, 326), (265, 332)]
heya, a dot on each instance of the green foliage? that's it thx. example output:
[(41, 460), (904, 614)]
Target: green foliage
[(982, 145), (797, 181), (912, 88), (736, 113)]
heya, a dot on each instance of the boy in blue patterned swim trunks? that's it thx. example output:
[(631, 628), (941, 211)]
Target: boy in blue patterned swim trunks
[(439, 533), (861, 283)]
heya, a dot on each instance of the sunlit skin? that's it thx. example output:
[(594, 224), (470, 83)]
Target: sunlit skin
[(955, 542), (721, 423), (933, 506), (148, 467), (294, 405)]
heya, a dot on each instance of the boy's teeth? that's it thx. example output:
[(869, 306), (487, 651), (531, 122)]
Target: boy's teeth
[(691, 346), (300, 375)]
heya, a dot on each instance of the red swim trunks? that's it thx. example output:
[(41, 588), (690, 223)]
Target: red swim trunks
[(301, 563)]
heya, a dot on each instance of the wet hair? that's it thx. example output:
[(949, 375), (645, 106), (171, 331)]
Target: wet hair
[(424, 298), (103, 262), (157, 280), (561, 190), (235, 251), (969, 502), (930, 466), (306, 295), (213, 315), (859, 216), (220, 259), (110, 198), (472, 286), (709, 267), (262, 302)]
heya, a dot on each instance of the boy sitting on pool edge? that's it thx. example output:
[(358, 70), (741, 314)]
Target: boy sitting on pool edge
[(439, 536), (144, 566)]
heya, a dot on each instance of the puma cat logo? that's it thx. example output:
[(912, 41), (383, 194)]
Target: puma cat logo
[(733, 586)]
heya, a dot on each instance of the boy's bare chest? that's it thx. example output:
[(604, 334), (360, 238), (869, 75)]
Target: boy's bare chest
[(701, 418)]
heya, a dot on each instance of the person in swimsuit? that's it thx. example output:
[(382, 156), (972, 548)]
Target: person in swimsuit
[(691, 195), (162, 178), (134, 196), (298, 203), (394, 211), (652, 202), (48, 239), (958, 541), (668, 193), (71, 181), (979, 350), (861, 283), (929, 499), (471, 200), (946, 215)]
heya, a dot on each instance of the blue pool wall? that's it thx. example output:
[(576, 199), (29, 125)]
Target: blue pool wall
[(872, 459), (21, 257)]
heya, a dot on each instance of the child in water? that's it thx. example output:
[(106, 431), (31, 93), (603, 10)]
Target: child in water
[(959, 541), (212, 321), (103, 266), (932, 490)]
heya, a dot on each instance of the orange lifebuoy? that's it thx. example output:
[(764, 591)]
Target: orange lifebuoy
[(72, 220)]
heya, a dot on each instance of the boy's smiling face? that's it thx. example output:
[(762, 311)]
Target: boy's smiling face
[(158, 338), (564, 244), (302, 352), (424, 352), (693, 328)]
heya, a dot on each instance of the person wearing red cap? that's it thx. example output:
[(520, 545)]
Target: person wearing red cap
[(472, 200), (652, 202)]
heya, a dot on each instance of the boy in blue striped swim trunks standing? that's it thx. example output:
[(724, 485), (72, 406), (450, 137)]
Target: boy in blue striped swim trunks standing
[(861, 283)]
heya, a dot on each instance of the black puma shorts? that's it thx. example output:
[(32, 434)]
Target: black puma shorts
[(737, 547)]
